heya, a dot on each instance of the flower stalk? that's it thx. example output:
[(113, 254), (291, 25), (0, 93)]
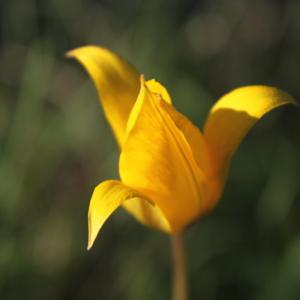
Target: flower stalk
[(180, 285)]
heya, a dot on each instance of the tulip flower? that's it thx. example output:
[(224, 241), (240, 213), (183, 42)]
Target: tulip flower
[(171, 173)]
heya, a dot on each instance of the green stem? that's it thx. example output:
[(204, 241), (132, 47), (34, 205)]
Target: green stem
[(180, 291)]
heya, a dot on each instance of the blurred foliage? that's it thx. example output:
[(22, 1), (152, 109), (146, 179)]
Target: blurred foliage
[(56, 146)]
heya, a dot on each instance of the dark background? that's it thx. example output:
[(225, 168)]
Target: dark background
[(55, 147)]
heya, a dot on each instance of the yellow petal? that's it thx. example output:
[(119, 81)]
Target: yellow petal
[(116, 81), (157, 88), (157, 160), (233, 116), (201, 154), (107, 197), (148, 214), (194, 138)]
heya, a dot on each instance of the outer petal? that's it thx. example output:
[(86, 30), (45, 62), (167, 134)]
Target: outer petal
[(107, 197), (116, 81), (233, 116), (157, 160)]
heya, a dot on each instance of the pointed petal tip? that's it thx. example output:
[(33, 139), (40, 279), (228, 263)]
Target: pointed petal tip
[(157, 88), (69, 54), (75, 51), (90, 239), (142, 79), (89, 245)]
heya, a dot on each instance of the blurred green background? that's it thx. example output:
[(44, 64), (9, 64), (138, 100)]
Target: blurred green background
[(55, 146)]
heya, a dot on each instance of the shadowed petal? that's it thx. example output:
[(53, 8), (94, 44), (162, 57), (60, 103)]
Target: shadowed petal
[(117, 83), (233, 116), (147, 213)]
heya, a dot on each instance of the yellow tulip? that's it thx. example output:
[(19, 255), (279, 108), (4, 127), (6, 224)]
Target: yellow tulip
[(171, 173)]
